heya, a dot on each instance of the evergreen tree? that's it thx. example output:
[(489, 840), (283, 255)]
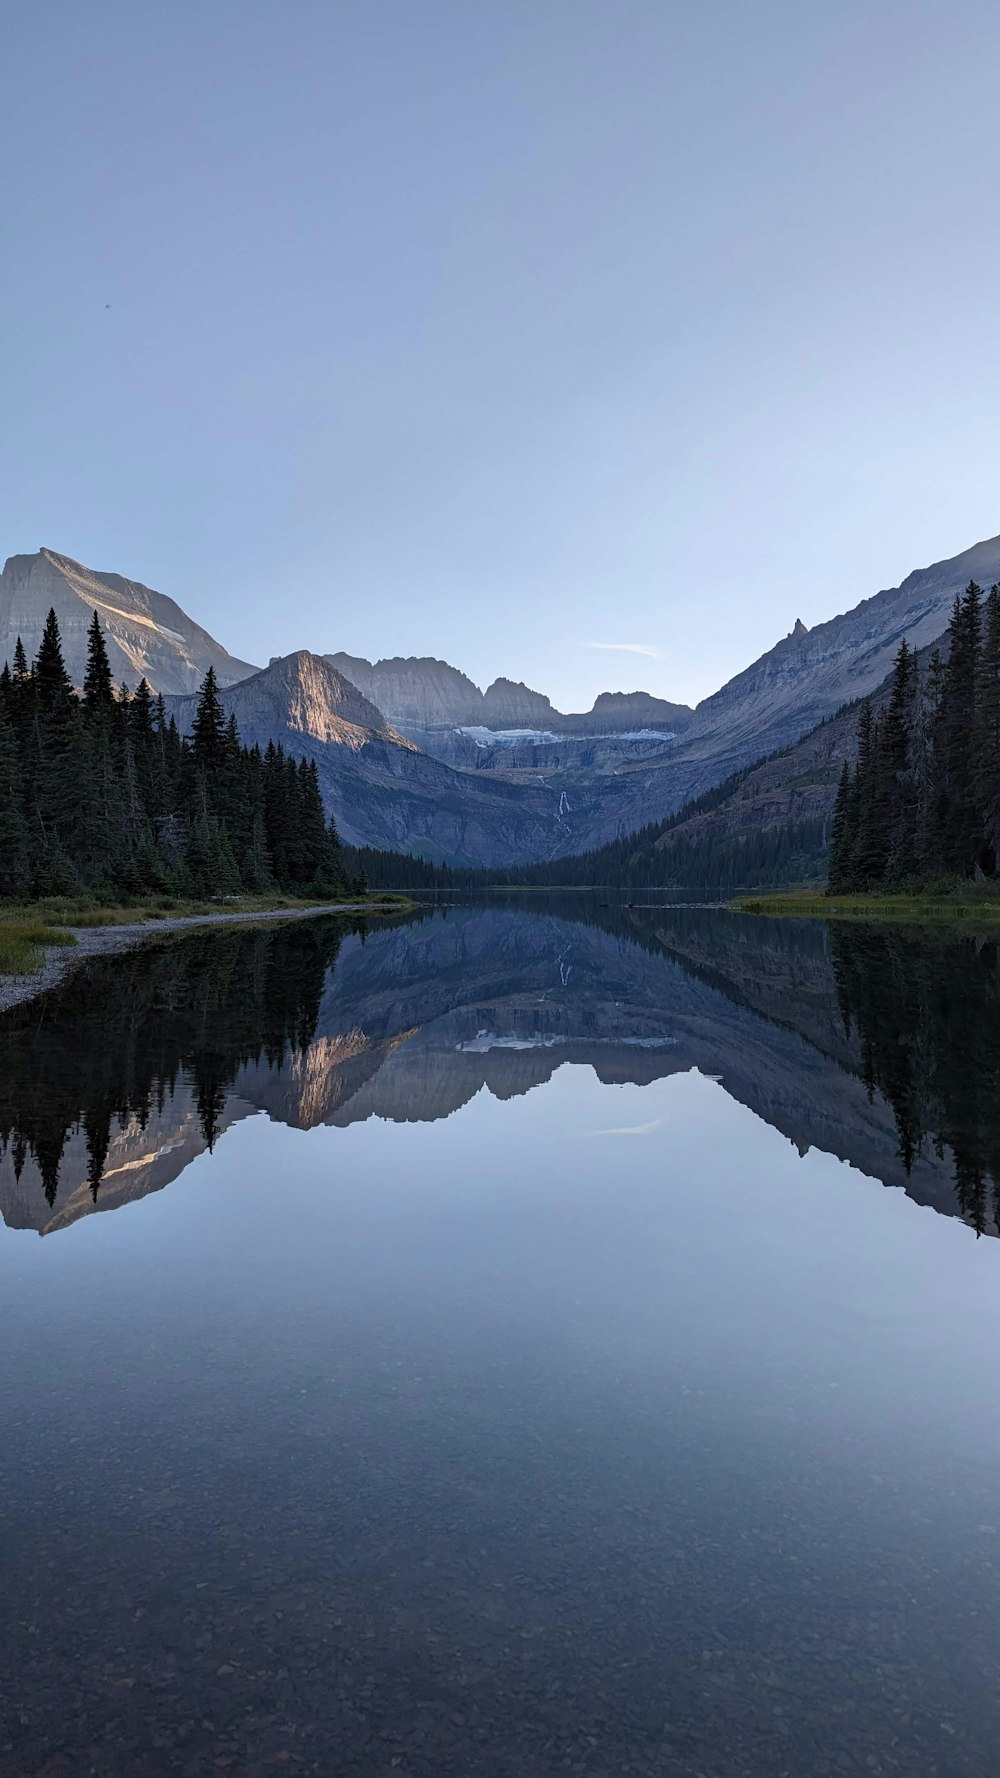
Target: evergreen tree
[(14, 872), (53, 687), (841, 834), (208, 731), (870, 847), (897, 783), (987, 768), (961, 839), (105, 792), (98, 685)]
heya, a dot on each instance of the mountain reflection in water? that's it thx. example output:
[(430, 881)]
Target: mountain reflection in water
[(876, 1045)]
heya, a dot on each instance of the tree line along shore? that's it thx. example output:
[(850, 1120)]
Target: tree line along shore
[(101, 796)]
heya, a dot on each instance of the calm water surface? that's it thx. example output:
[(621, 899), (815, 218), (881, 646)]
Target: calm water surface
[(508, 1343)]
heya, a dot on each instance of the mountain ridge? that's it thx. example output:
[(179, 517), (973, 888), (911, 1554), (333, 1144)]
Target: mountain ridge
[(522, 783), (377, 782), (413, 690), (147, 633)]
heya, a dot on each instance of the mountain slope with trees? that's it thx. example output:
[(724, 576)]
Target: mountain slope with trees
[(101, 792), (922, 801), (147, 635)]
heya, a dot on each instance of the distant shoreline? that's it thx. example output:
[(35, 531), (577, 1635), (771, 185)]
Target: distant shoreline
[(104, 941), (818, 905)]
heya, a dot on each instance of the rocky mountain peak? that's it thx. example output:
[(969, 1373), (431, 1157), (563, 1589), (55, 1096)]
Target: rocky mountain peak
[(809, 674), (507, 703), (303, 694), (415, 691), (147, 633)]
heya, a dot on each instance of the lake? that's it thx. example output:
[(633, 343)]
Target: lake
[(516, 1340)]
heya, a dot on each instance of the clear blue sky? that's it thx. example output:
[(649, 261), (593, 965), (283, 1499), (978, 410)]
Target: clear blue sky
[(503, 329)]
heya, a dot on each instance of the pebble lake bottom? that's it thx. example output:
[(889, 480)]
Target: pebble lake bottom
[(478, 1365)]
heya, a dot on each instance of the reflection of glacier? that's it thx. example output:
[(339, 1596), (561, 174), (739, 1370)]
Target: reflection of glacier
[(417, 1020)]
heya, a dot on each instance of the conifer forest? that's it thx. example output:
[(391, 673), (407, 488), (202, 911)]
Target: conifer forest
[(100, 793), (921, 805)]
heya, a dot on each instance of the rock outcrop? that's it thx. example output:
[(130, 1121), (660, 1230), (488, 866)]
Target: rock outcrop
[(380, 787), (811, 673), (803, 681), (147, 634), (415, 693), (422, 694)]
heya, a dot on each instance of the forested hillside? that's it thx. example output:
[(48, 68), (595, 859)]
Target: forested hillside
[(922, 801), (101, 792)]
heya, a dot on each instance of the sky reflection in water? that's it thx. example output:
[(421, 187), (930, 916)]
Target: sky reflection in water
[(426, 1429)]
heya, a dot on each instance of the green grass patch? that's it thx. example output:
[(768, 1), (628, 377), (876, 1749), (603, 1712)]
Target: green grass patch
[(954, 905), (22, 942)]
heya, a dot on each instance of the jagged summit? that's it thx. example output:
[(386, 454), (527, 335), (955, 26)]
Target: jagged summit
[(146, 632), (302, 693), (420, 694), (810, 673), (382, 789)]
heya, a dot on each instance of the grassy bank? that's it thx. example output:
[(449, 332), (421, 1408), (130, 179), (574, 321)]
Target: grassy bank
[(26, 931), (955, 904)]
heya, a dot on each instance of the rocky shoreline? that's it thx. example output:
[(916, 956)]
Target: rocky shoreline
[(101, 941)]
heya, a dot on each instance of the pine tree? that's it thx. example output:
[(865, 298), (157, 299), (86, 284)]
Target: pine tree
[(53, 687), (957, 738), (841, 834), (869, 850), (51, 750), (98, 685), (312, 828), (14, 872), (208, 731), (897, 789), (987, 769)]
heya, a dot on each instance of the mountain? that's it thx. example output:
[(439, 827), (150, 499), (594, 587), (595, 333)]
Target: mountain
[(411, 1023), (508, 728), (806, 678), (423, 693), (811, 673), (146, 632), (417, 692), (413, 756), (380, 787), (634, 761), (299, 695)]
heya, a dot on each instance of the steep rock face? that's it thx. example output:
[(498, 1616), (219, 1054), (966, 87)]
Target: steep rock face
[(811, 673), (614, 710), (421, 695), (419, 692), (507, 731), (509, 704), (145, 631), (382, 790), (804, 680), (300, 694), (797, 784)]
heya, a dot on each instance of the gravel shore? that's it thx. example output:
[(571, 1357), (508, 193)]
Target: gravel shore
[(101, 941)]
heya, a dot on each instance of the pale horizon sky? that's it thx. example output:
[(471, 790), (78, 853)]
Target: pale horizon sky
[(589, 344)]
